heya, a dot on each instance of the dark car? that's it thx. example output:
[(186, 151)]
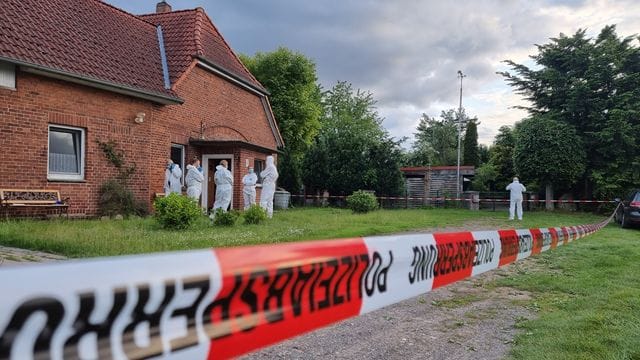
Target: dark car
[(629, 211)]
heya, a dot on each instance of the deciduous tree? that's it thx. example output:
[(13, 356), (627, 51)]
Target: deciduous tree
[(295, 98)]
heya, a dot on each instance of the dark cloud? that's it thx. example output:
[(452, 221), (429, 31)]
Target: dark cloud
[(406, 52)]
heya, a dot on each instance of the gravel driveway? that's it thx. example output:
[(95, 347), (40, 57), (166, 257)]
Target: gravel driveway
[(471, 319)]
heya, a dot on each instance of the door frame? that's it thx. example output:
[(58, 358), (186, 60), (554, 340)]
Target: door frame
[(205, 170)]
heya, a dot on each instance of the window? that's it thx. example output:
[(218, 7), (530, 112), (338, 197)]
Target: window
[(258, 166), (66, 153), (177, 156), (7, 75)]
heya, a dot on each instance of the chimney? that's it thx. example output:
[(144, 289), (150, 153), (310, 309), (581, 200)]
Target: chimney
[(163, 7)]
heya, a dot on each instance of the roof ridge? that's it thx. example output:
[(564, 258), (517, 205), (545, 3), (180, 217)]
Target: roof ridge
[(124, 12), (198, 31), (215, 28), (166, 13)]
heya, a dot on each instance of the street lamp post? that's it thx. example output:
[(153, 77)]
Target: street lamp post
[(461, 76)]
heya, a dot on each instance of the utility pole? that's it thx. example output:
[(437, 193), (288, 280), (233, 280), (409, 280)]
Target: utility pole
[(461, 76)]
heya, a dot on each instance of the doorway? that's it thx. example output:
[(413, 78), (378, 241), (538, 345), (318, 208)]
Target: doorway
[(209, 163)]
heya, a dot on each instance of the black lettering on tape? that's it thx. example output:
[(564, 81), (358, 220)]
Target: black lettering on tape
[(424, 259), (298, 286), (51, 307), (484, 250), (509, 246), (546, 239), (525, 243), (276, 292), (152, 319), (247, 322), (453, 257), (219, 329), (364, 258), (201, 284), (314, 285), (337, 298), (82, 325), (376, 275), (326, 284)]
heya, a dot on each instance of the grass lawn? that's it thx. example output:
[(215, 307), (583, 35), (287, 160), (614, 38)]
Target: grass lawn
[(89, 238), (587, 296)]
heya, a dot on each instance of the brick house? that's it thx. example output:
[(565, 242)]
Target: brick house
[(163, 85)]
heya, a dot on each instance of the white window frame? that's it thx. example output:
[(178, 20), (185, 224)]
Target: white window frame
[(66, 176), (7, 75)]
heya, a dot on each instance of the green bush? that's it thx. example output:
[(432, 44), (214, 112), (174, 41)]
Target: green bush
[(255, 214), (176, 211), (362, 202), (117, 199), (225, 218)]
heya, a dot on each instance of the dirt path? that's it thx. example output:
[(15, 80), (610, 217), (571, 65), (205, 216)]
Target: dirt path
[(13, 256)]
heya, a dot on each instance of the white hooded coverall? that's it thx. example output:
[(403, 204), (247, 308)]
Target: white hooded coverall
[(224, 187), (249, 189), (269, 176), (173, 179), (515, 203), (194, 181)]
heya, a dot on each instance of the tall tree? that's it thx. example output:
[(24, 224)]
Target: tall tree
[(295, 98), (353, 151), (549, 152), (471, 155), (592, 85), (483, 153), (436, 141), (485, 177), (502, 156)]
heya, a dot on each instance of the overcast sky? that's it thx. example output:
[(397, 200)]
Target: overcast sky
[(407, 52)]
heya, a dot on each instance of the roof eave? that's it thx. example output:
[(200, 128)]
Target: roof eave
[(231, 76), (240, 143), (92, 82)]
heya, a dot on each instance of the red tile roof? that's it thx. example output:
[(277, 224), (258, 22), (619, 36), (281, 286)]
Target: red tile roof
[(86, 38), (189, 34)]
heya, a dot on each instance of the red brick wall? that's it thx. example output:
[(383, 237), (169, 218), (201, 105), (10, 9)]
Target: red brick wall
[(38, 101), (227, 111)]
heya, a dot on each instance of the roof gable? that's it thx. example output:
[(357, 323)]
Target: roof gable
[(190, 34), (85, 38)]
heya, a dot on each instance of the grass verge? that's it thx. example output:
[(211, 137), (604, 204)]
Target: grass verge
[(90, 238), (587, 296)]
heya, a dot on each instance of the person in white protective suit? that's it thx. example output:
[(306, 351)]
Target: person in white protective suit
[(172, 178), (194, 179), (515, 203), (269, 176), (249, 188), (224, 186)]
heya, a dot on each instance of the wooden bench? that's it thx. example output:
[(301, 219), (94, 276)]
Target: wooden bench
[(28, 198)]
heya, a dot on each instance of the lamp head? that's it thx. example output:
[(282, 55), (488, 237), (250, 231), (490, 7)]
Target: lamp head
[(139, 119)]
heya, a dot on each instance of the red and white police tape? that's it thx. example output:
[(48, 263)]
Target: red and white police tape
[(225, 302)]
